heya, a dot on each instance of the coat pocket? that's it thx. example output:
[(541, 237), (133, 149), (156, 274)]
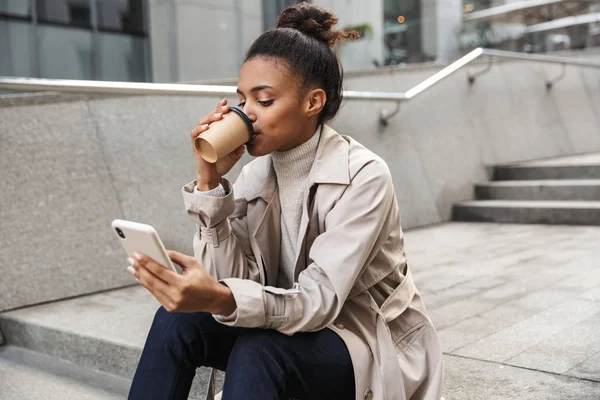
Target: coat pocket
[(409, 337)]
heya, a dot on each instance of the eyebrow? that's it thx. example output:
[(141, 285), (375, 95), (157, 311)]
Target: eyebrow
[(255, 89)]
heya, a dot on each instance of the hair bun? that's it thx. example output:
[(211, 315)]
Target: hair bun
[(314, 21)]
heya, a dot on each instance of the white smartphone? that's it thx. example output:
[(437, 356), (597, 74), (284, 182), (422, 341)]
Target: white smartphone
[(142, 238)]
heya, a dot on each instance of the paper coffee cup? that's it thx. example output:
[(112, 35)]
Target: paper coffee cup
[(224, 136)]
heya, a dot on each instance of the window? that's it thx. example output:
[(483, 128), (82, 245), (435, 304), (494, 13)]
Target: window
[(272, 9), (15, 47), (125, 16), (74, 39), (64, 12), (18, 9)]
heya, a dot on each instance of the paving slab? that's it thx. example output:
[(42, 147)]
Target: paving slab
[(564, 350), (520, 297), (511, 341), (471, 379), (588, 369), (28, 375), (105, 331)]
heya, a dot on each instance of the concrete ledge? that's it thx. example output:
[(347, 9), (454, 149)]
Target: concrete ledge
[(576, 189), (529, 212), (105, 332), (28, 375), (524, 172)]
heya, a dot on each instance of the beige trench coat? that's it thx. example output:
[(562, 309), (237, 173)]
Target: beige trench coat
[(351, 272)]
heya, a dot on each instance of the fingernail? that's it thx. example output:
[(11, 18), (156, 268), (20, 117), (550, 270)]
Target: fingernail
[(137, 256), (218, 114), (224, 108), (204, 126), (130, 260), (138, 281), (130, 269)]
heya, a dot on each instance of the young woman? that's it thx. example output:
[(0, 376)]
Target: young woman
[(299, 286)]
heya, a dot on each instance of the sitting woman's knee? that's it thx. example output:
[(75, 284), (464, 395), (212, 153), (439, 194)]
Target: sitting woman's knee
[(256, 346), (176, 329)]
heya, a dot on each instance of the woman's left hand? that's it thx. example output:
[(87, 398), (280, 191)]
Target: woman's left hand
[(193, 291)]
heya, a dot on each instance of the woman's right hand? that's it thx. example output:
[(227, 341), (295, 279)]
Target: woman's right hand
[(209, 174)]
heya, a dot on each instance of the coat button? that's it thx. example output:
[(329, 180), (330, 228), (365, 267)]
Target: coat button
[(368, 394), (339, 325)]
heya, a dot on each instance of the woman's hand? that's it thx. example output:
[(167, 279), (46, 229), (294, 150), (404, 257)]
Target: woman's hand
[(193, 291), (209, 175)]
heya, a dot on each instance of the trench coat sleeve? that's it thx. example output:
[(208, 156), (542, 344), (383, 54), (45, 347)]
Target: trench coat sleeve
[(339, 256), (221, 242)]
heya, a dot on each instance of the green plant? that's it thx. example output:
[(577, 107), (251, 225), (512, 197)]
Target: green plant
[(364, 30)]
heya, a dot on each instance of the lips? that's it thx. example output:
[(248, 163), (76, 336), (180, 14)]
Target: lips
[(253, 137)]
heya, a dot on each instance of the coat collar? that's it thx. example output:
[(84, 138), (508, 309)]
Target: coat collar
[(330, 166)]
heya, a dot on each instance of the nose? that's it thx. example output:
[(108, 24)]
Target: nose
[(247, 110)]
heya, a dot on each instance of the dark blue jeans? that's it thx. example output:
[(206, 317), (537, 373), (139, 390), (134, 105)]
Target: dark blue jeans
[(259, 363)]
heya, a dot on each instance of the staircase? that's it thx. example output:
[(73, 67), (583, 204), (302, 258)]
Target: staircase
[(564, 190), (84, 347)]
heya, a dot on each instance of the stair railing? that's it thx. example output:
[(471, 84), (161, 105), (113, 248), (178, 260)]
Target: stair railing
[(179, 89)]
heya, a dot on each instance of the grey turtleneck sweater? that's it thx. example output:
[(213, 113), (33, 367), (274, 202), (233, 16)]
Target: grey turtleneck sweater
[(292, 168)]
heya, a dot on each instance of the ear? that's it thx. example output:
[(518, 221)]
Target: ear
[(315, 101)]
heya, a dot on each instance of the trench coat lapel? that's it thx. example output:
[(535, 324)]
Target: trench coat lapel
[(330, 167), (266, 237)]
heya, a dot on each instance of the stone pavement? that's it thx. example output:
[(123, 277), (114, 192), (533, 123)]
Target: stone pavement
[(517, 307)]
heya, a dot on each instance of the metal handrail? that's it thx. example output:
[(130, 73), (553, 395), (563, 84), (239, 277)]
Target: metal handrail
[(60, 85)]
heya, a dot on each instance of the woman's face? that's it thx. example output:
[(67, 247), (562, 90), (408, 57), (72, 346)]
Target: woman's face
[(269, 94)]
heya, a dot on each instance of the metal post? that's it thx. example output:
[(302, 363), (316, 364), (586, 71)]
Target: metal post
[(475, 75), (552, 81)]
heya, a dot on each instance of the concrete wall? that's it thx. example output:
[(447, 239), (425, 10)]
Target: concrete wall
[(201, 39), (69, 168)]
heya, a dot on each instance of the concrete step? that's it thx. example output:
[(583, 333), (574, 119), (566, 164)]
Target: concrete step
[(567, 189), (579, 166), (529, 212), (546, 171), (104, 332), (28, 375)]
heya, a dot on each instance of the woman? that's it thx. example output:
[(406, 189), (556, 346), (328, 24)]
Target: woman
[(299, 286)]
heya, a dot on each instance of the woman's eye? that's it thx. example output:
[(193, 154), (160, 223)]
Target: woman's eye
[(265, 103), (241, 104)]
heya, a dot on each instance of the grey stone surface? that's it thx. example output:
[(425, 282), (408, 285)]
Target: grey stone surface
[(566, 189), (574, 107), (40, 98), (56, 204), (511, 341), (105, 332), (545, 171), (516, 294), (565, 350), (477, 327), (396, 145), (529, 212), (470, 379), (100, 158), (448, 177), (590, 79), (28, 375), (588, 369)]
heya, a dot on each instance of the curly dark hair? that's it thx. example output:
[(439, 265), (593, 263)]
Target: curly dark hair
[(303, 39)]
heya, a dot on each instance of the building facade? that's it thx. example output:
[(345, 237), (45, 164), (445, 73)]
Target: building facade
[(205, 40)]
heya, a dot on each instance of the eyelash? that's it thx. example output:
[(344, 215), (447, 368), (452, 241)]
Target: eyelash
[(265, 103)]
